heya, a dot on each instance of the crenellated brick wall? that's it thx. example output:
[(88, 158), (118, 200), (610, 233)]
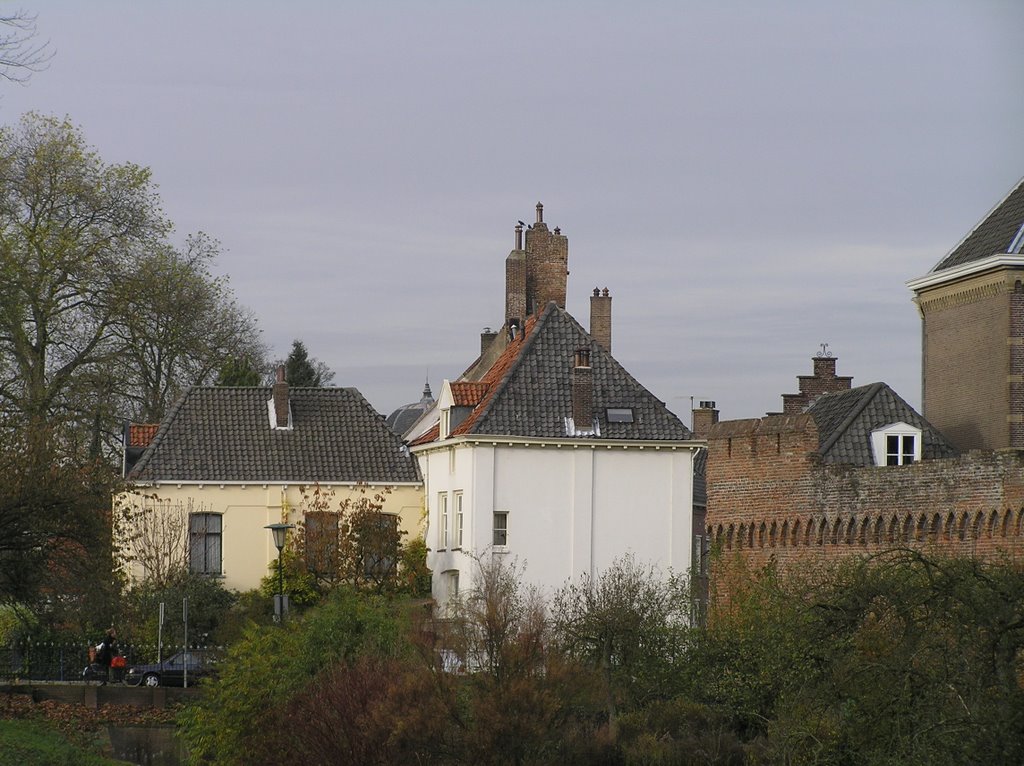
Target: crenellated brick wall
[(771, 498)]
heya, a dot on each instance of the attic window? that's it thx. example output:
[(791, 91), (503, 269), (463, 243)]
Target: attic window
[(620, 414), (896, 444)]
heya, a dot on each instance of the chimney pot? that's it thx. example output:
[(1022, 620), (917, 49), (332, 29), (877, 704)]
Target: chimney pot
[(540, 213)]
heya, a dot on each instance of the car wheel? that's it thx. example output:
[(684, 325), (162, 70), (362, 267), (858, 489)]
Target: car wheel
[(151, 679)]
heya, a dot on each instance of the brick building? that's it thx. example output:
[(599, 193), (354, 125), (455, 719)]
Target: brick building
[(972, 340), (858, 470)]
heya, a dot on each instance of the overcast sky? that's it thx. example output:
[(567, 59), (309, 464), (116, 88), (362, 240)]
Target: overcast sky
[(749, 179)]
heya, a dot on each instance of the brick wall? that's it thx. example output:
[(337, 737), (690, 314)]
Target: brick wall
[(966, 340), (823, 381), (771, 498)]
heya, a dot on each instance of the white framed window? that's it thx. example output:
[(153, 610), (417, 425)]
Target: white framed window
[(452, 584), (896, 444), (457, 501), (698, 554), (442, 520), (205, 543), (445, 426), (500, 539)]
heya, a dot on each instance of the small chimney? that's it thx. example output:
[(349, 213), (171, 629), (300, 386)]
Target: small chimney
[(540, 213), (486, 339), (704, 417), (519, 236), (281, 400), (582, 390), (601, 318)]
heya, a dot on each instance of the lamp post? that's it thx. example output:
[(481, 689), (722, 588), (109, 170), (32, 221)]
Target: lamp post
[(280, 532)]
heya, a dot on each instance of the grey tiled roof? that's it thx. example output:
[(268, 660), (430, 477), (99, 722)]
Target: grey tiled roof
[(845, 420), (406, 416), (224, 434), (993, 235), (533, 398)]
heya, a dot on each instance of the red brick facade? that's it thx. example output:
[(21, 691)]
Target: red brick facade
[(771, 498)]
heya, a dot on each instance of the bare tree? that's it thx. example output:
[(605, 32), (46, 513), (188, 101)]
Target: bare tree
[(153, 535), (21, 55)]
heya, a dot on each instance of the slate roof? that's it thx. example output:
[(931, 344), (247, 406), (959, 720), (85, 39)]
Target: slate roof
[(406, 416), (700, 478), (845, 420), (223, 434), (994, 235), (526, 392)]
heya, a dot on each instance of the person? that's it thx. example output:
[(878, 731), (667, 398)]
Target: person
[(107, 651)]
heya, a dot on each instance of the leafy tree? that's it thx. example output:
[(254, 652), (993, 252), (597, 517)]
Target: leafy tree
[(350, 541), (180, 324), (239, 371), (301, 370), (234, 721), (208, 603), (54, 538), (630, 622), (71, 230)]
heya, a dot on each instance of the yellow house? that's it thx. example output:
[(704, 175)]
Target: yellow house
[(226, 462)]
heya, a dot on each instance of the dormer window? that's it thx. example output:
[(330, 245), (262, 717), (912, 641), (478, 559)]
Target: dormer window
[(446, 422), (896, 444)]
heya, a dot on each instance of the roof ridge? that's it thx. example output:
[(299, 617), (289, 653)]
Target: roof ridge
[(871, 393)]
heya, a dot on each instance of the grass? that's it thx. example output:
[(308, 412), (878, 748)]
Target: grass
[(34, 743)]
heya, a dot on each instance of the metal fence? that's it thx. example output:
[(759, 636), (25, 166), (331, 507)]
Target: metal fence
[(45, 661)]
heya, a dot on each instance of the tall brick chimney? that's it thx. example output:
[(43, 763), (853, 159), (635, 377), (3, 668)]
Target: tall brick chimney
[(280, 393), (704, 417), (582, 390), (823, 381), (547, 261), (601, 318)]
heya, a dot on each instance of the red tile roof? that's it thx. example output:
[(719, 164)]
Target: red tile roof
[(466, 393), (141, 434)]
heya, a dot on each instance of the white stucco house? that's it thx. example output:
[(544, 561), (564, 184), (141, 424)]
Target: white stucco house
[(547, 452)]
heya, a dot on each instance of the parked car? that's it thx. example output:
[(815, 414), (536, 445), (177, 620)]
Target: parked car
[(171, 672)]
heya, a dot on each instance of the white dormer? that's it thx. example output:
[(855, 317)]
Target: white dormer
[(445, 400), (896, 444)]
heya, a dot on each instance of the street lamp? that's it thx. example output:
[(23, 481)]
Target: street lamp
[(280, 532)]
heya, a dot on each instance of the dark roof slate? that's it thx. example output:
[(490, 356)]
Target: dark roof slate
[(223, 434), (845, 420), (529, 388), (993, 235)]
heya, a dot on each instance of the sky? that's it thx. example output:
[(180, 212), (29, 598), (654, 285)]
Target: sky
[(750, 180)]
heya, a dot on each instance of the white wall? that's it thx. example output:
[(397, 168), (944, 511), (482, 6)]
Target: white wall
[(572, 508)]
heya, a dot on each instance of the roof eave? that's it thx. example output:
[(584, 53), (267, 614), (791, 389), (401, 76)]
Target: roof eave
[(991, 263)]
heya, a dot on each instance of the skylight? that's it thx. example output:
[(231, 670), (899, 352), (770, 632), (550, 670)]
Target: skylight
[(620, 414)]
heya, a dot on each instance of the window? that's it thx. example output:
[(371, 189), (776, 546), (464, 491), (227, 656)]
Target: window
[(620, 414), (380, 546), (442, 517), (698, 554), (899, 450), (501, 528), (896, 444), (321, 542), (204, 543), (452, 584), (444, 427), (458, 519)]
